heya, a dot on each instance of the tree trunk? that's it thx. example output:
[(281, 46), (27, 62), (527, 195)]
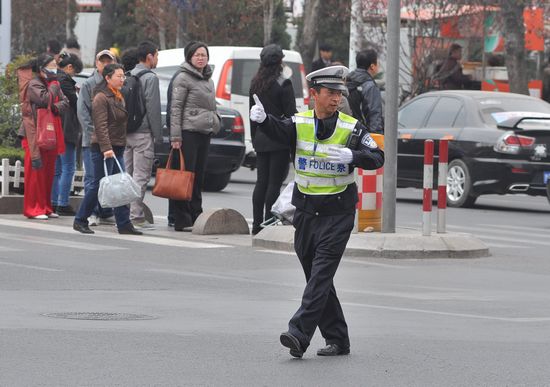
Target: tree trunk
[(68, 19), (107, 25), (269, 11), (514, 44), (308, 41)]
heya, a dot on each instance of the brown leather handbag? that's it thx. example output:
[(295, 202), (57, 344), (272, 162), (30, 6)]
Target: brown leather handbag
[(175, 184)]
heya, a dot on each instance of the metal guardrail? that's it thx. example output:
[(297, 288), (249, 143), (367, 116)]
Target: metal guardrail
[(15, 174)]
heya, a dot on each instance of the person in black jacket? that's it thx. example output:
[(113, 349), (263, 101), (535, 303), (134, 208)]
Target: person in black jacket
[(328, 146), (273, 160), (68, 66), (325, 57), (365, 98)]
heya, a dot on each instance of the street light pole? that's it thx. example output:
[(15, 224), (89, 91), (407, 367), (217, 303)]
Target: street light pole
[(390, 117)]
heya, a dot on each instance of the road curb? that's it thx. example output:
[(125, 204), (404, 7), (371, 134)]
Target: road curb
[(405, 243), (13, 204)]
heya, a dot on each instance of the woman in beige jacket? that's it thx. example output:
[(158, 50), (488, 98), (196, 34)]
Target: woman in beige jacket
[(193, 120)]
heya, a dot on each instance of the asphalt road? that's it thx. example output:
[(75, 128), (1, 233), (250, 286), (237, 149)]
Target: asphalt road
[(210, 309)]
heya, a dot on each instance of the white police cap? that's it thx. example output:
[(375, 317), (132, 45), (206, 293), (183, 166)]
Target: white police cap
[(332, 77)]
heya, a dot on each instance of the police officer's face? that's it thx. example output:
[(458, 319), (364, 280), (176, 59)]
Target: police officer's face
[(326, 100)]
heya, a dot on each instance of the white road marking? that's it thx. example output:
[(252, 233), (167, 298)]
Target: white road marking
[(452, 314), (46, 226), (346, 260), (6, 249), (429, 296), (223, 277), (59, 242), (28, 266), (504, 245), (277, 252), (513, 229), (368, 263), (499, 232)]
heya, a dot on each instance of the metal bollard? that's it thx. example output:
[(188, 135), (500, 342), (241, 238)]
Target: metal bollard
[(442, 185), (427, 187)]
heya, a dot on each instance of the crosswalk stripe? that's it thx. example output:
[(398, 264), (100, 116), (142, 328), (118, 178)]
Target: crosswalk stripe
[(514, 228), (485, 233), (154, 240), (29, 266), (504, 245), (59, 242), (487, 230), (8, 249)]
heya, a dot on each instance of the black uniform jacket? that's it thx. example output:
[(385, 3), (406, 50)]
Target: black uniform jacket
[(279, 101), (365, 156)]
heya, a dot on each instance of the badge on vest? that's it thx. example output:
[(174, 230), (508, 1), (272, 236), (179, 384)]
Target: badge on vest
[(369, 142)]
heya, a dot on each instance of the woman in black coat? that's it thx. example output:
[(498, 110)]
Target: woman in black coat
[(65, 164), (277, 96)]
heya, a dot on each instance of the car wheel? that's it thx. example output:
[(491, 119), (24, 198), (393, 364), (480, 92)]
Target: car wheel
[(459, 185), (214, 182)]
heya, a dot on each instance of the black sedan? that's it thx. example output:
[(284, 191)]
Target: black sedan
[(498, 144)]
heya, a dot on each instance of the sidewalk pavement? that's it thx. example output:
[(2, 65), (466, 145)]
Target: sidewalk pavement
[(405, 243)]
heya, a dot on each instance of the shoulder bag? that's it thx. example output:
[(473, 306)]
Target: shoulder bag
[(175, 184), (46, 137)]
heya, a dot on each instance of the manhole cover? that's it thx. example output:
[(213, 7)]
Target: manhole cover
[(100, 316)]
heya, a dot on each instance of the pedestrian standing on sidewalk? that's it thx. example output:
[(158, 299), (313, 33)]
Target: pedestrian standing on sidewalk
[(193, 120), (272, 157), (43, 92), (365, 98), (65, 165), (84, 110), (328, 145), (108, 141), (141, 138)]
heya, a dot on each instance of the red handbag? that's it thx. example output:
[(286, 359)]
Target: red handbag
[(46, 136)]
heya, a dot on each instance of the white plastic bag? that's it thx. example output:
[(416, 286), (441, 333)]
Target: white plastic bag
[(283, 208), (118, 189)]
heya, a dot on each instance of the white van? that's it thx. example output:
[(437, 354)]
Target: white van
[(234, 68)]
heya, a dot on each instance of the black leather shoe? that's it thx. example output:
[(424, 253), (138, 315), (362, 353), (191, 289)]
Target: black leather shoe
[(290, 341), (83, 228), (65, 211), (129, 230), (333, 350)]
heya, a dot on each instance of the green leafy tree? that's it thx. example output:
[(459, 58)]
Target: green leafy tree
[(278, 32), (10, 114)]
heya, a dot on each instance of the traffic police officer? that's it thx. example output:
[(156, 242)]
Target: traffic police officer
[(328, 144)]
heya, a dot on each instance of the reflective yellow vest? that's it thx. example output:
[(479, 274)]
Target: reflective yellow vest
[(314, 174)]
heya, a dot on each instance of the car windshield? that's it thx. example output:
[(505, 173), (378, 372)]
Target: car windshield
[(492, 105)]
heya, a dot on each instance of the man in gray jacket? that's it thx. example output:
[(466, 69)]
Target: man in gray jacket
[(84, 113), (140, 144)]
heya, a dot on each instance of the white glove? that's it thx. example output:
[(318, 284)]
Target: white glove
[(339, 155), (257, 112)]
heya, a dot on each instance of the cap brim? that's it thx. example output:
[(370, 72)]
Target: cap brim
[(334, 86)]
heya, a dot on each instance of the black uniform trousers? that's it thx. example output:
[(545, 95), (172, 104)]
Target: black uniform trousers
[(320, 241), (194, 146)]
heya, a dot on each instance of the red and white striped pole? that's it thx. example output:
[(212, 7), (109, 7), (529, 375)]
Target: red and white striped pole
[(428, 185), (442, 185)]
